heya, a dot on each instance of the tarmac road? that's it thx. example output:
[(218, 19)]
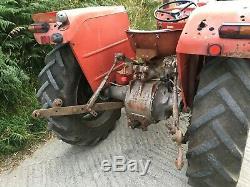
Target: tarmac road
[(59, 164)]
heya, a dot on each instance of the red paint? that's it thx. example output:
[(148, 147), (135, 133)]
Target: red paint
[(194, 41), (194, 44), (45, 40), (48, 17), (175, 25), (95, 51), (116, 68), (95, 35)]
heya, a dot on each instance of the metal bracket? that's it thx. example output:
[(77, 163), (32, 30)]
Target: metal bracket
[(73, 110)]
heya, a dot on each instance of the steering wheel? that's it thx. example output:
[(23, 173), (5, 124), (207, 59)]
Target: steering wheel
[(176, 14)]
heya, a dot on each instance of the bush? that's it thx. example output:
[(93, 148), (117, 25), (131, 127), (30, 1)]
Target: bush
[(11, 80), (20, 59)]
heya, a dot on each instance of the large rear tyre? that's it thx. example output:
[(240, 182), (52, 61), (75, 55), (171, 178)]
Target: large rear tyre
[(62, 78), (220, 123)]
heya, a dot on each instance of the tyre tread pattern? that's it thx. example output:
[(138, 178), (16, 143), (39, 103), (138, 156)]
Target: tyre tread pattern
[(210, 115), (215, 157), (234, 107), (226, 139), (220, 168), (58, 79), (52, 80)]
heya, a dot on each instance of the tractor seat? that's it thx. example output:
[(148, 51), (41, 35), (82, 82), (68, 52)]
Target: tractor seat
[(156, 43)]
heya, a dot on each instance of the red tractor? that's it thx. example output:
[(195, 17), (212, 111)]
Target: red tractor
[(99, 66)]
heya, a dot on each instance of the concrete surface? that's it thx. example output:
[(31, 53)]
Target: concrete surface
[(244, 180), (58, 164)]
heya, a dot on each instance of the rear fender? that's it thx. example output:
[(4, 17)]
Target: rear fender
[(200, 32), (77, 19), (202, 29), (95, 35)]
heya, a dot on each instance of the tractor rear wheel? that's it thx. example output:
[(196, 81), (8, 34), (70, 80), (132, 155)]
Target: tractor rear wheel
[(62, 78), (220, 123)]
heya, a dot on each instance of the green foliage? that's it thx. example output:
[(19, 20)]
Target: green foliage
[(17, 128), (11, 80), (20, 59), (140, 11), (17, 42)]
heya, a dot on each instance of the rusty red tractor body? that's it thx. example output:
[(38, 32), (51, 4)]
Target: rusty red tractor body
[(100, 65)]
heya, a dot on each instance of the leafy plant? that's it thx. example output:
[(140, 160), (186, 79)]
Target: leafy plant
[(11, 79), (20, 59)]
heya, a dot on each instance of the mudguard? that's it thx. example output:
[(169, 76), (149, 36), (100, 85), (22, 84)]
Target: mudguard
[(202, 31), (95, 34)]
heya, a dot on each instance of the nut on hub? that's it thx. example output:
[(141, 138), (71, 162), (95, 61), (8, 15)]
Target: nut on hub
[(36, 114), (57, 103)]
